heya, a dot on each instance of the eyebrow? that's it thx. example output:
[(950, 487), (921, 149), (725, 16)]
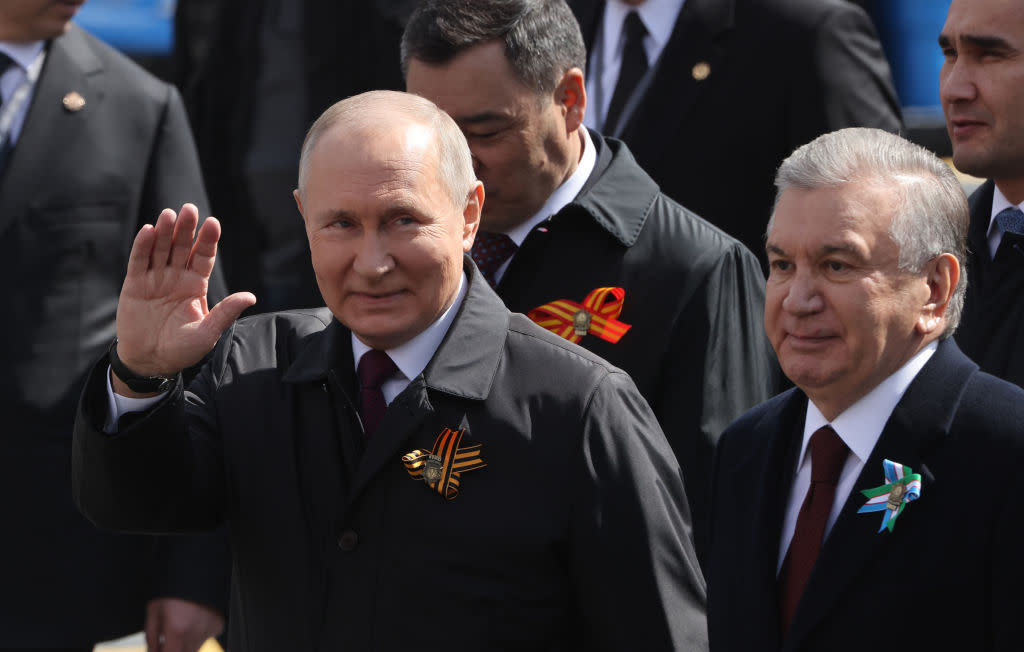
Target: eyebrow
[(477, 118), (824, 251), (980, 42)]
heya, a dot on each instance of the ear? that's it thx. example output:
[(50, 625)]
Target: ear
[(571, 96), (471, 215), (298, 202), (942, 277)]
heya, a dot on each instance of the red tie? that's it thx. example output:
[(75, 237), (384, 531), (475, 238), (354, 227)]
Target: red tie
[(828, 454), (374, 368), (489, 251)]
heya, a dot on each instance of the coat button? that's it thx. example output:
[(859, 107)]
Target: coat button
[(348, 541)]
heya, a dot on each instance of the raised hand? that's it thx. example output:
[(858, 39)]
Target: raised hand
[(164, 324)]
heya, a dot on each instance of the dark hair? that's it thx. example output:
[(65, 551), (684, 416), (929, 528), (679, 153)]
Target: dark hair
[(542, 38)]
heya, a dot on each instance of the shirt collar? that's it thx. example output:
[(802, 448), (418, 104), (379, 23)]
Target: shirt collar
[(23, 54), (861, 424), (999, 202), (658, 16), (563, 194), (412, 357)]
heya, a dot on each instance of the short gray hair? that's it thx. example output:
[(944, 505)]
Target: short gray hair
[(542, 38), (931, 209), (455, 163)]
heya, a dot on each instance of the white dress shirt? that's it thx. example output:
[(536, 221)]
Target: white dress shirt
[(859, 426), (658, 16), (25, 56), (559, 199), (999, 202), (411, 359)]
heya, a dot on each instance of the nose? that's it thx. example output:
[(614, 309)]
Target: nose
[(956, 83), (373, 258), (803, 296)]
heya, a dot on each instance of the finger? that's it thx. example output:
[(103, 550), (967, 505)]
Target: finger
[(142, 251), (184, 233), (164, 236), (225, 312), (154, 623), (204, 252)]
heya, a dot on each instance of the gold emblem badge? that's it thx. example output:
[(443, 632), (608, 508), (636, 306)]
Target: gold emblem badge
[(896, 496), (432, 469), (701, 70), (581, 322), (73, 101)]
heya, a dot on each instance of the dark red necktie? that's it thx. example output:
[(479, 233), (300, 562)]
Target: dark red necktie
[(374, 368), (828, 454), (489, 251)]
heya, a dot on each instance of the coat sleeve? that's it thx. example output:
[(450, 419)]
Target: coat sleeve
[(632, 560), (154, 474), (724, 366), (849, 83)]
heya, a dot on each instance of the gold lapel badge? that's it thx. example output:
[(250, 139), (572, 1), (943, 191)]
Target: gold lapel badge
[(701, 70), (73, 101), (441, 468)]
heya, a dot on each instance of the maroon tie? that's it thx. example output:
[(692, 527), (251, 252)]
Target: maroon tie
[(828, 454), (489, 251), (374, 368)]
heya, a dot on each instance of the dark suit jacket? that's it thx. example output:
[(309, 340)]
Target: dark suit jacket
[(992, 329), (75, 190), (575, 536), (947, 577), (781, 72), (694, 300)]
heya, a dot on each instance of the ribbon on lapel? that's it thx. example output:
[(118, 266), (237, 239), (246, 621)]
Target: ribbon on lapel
[(441, 467), (596, 316)]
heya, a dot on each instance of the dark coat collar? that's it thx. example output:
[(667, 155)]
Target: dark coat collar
[(618, 195), (463, 366), (980, 203)]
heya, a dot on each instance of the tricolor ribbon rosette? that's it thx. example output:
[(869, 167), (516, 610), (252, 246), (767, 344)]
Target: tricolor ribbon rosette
[(595, 316), (903, 486), (442, 466)]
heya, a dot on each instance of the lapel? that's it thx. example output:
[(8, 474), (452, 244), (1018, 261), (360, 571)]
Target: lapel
[(918, 425), (698, 38), (49, 130), (770, 472), (324, 418), (463, 368)]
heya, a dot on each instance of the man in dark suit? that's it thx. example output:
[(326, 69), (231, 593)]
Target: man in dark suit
[(90, 145), (597, 254), (983, 98), (729, 88), (412, 466), (882, 496)]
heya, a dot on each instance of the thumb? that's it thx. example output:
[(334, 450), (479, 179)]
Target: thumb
[(226, 311)]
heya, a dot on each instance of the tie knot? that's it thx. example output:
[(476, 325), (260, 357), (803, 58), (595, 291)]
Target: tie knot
[(489, 251), (634, 27), (374, 368), (1010, 220), (828, 454)]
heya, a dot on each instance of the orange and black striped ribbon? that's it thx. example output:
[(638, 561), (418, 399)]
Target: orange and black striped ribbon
[(596, 316), (441, 467)]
